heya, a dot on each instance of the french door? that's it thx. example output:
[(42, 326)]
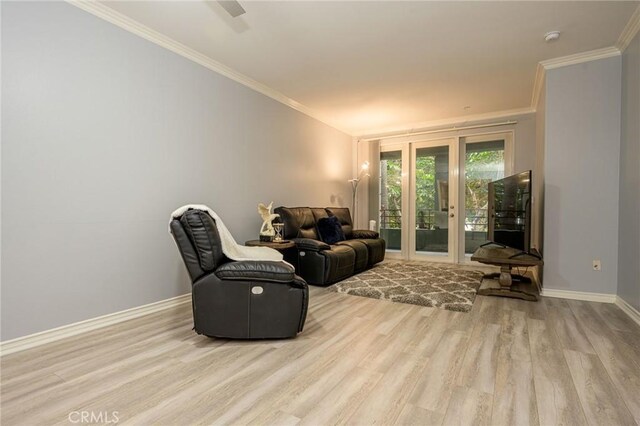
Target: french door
[(433, 198)]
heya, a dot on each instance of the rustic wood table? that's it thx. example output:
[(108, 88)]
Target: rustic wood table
[(281, 246), (508, 284)]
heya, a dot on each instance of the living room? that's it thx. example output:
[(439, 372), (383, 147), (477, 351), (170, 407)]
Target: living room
[(115, 114)]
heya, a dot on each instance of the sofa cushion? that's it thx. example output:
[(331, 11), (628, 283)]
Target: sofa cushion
[(364, 233), (343, 215), (340, 263), (299, 222), (362, 254), (376, 248), (319, 213), (330, 230)]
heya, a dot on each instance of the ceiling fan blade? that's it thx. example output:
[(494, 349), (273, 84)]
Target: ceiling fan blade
[(232, 7)]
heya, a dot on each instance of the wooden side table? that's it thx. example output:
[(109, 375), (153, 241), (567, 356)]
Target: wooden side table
[(508, 285), (280, 246), (286, 247)]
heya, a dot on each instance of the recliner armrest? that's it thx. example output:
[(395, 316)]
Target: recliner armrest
[(309, 244), (365, 233), (256, 270)]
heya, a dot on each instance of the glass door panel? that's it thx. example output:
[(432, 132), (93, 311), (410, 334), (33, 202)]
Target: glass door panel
[(484, 162), (390, 218), (433, 188), (432, 200)]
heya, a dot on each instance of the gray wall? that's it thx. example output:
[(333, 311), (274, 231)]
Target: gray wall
[(104, 134), (581, 162), (525, 143), (629, 215)]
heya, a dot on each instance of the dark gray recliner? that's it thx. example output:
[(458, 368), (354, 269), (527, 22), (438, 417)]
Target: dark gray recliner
[(237, 299)]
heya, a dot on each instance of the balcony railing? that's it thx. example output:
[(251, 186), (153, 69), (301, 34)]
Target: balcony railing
[(475, 219), (390, 219)]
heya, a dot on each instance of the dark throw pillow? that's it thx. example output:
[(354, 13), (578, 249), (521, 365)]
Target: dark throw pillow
[(330, 230)]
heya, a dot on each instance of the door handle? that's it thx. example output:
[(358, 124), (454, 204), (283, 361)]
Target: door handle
[(451, 215)]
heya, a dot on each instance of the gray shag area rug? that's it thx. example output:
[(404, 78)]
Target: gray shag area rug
[(425, 284)]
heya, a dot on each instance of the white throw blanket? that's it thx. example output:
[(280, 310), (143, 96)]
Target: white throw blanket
[(230, 248)]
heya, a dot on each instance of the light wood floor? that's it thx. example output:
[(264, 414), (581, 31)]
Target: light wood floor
[(358, 361)]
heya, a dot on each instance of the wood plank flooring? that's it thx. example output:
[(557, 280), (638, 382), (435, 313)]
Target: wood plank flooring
[(359, 361)]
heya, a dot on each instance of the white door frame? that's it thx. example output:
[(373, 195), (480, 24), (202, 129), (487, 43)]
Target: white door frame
[(509, 167), (456, 195), (452, 237), (404, 227)]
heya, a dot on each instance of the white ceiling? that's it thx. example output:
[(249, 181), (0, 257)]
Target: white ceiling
[(368, 66)]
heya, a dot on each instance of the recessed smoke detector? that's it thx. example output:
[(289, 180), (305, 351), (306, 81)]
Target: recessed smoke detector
[(551, 36)]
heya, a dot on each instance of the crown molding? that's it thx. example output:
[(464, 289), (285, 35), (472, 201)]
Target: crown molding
[(106, 13), (579, 58), (563, 61), (461, 120), (630, 30), (135, 27)]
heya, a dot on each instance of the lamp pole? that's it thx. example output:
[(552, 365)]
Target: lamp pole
[(354, 190), (354, 186)]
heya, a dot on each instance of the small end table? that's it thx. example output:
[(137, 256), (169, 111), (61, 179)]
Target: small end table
[(281, 246)]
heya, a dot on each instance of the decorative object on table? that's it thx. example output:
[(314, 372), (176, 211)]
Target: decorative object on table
[(277, 229), (364, 172), (266, 230), (437, 286)]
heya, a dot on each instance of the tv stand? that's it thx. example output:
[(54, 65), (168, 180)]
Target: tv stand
[(508, 284)]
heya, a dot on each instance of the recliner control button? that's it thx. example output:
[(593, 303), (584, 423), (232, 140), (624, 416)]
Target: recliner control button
[(257, 290)]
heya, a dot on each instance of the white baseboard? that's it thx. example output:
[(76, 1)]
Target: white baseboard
[(579, 295), (48, 336), (633, 313)]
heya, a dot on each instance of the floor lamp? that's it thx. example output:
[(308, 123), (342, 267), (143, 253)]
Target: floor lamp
[(354, 186)]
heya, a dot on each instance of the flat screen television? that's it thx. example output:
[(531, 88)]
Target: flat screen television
[(510, 211)]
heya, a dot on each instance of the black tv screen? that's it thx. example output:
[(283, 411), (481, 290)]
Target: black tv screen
[(510, 211)]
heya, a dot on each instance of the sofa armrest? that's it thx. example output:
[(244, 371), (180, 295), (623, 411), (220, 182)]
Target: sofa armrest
[(309, 244), (256, 270), (365, 234)]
